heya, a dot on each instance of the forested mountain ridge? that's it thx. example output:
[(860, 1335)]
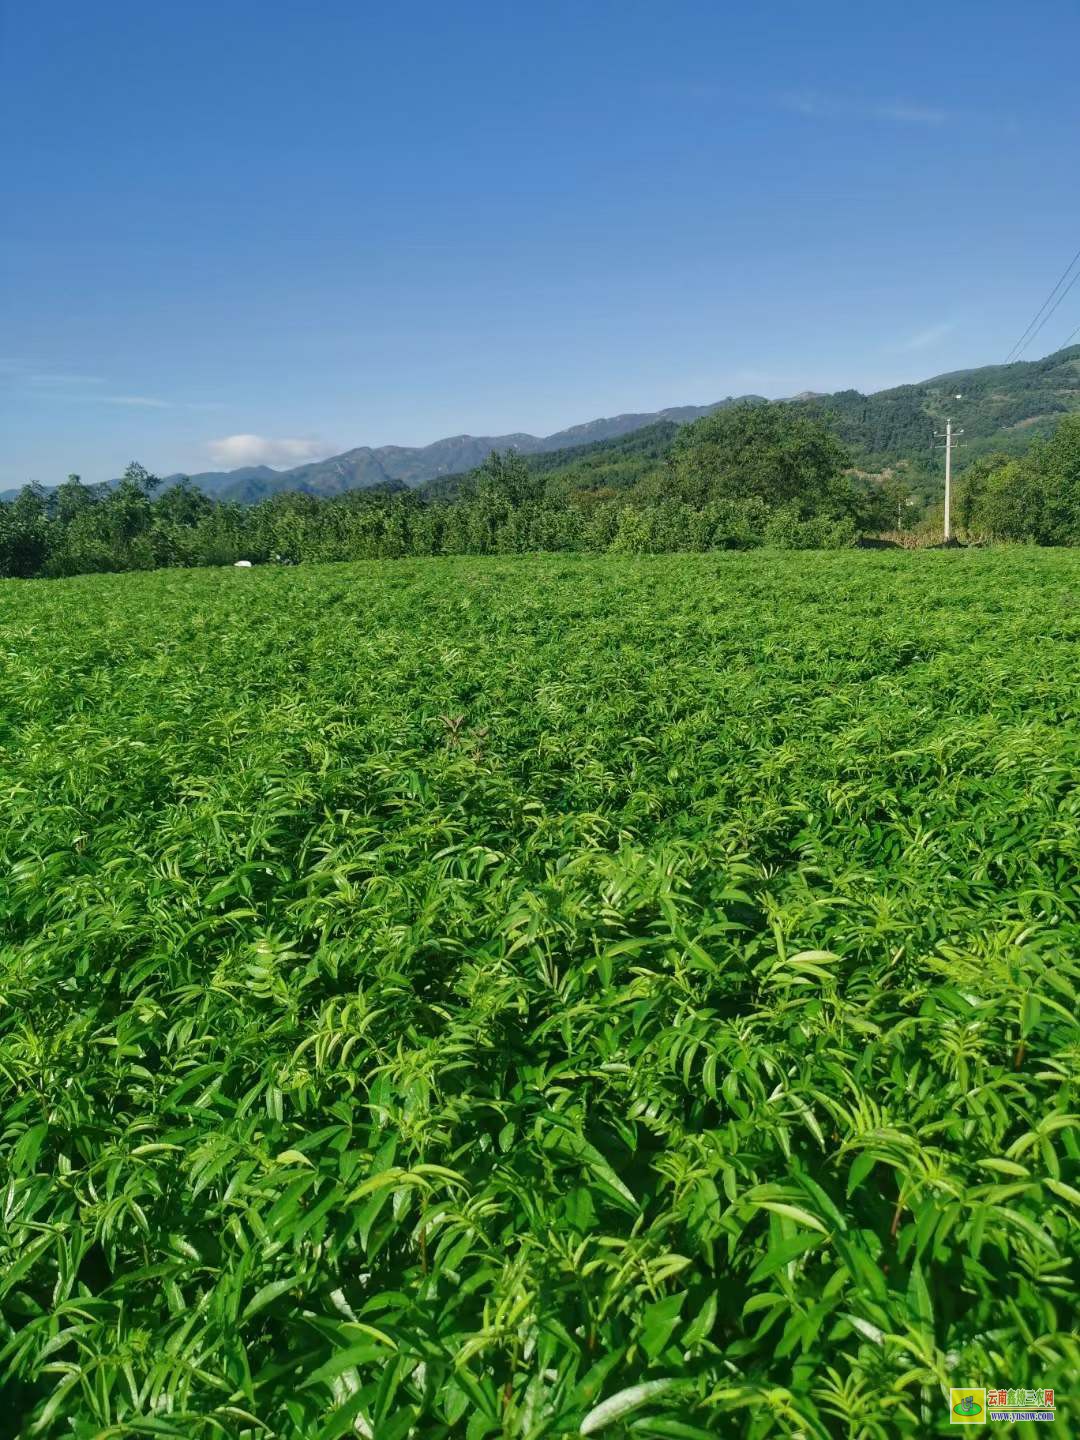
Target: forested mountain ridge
[(1001, 408), (744, 476), (613, 465), (402, 466), (397, 467)]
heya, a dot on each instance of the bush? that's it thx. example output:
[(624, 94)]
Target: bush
[(786, 531)]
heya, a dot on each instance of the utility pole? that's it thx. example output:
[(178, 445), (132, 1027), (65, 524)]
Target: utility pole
[(949, 440), (948, 480)]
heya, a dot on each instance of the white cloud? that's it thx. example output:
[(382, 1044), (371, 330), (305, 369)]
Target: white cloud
[(42, 381), (234, 450), (816, 105), (148, 402), (41, 375), (807, 102), (924, 339), (906, 114), (50, 379)]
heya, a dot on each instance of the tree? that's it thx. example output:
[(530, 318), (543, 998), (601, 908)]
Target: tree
[(633, 535), (182, 503), (72, 498), (777, 453), (1036, 498), (972, 489), (24, 533), (127, 511), (507, 477), (1010, 507), (1056, 466), (137, 477)]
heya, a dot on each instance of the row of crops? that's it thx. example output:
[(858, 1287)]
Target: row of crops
[(539, 997)]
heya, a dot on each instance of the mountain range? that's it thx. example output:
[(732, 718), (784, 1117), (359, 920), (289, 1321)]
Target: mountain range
[(395, 467), (999, 406)]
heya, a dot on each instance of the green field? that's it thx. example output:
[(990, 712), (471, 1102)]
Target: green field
[(538, 997)]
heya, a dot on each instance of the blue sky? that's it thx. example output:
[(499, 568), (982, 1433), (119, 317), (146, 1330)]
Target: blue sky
[(267, 231)]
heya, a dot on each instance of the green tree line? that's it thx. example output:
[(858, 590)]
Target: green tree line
[(739, 478), (1034, 498)]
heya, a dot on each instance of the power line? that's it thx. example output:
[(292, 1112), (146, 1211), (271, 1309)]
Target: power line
[(1035, 326), (1031, 330), (1069, 339), (1050, 312)]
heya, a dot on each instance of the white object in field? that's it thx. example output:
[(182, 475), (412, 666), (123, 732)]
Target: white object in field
[(241, 564)]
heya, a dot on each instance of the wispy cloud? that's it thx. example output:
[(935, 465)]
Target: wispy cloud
[(266, 450), (59, 380), (39, 375), (152, 402), (705, 91), (805, 102), (928, 337), (44, 382), (912, 114), (817, 105), (147, 402)]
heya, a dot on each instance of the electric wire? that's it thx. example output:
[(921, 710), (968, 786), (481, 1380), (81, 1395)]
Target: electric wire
[(1035, 325), (1048, 314)]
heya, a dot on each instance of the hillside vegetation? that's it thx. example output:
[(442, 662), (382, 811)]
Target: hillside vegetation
[(739, 478), (1002, 409), (605, 465), (523, 998), (1003, 406), (742, 476)]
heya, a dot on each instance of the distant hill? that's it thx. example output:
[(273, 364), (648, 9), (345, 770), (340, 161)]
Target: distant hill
[(601, 464), (397, 466), (1002, 407)]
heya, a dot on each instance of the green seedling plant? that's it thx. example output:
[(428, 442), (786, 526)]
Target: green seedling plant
[(540, 996)]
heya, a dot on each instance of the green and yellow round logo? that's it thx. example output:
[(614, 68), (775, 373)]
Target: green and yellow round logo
[(968, 1406)]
